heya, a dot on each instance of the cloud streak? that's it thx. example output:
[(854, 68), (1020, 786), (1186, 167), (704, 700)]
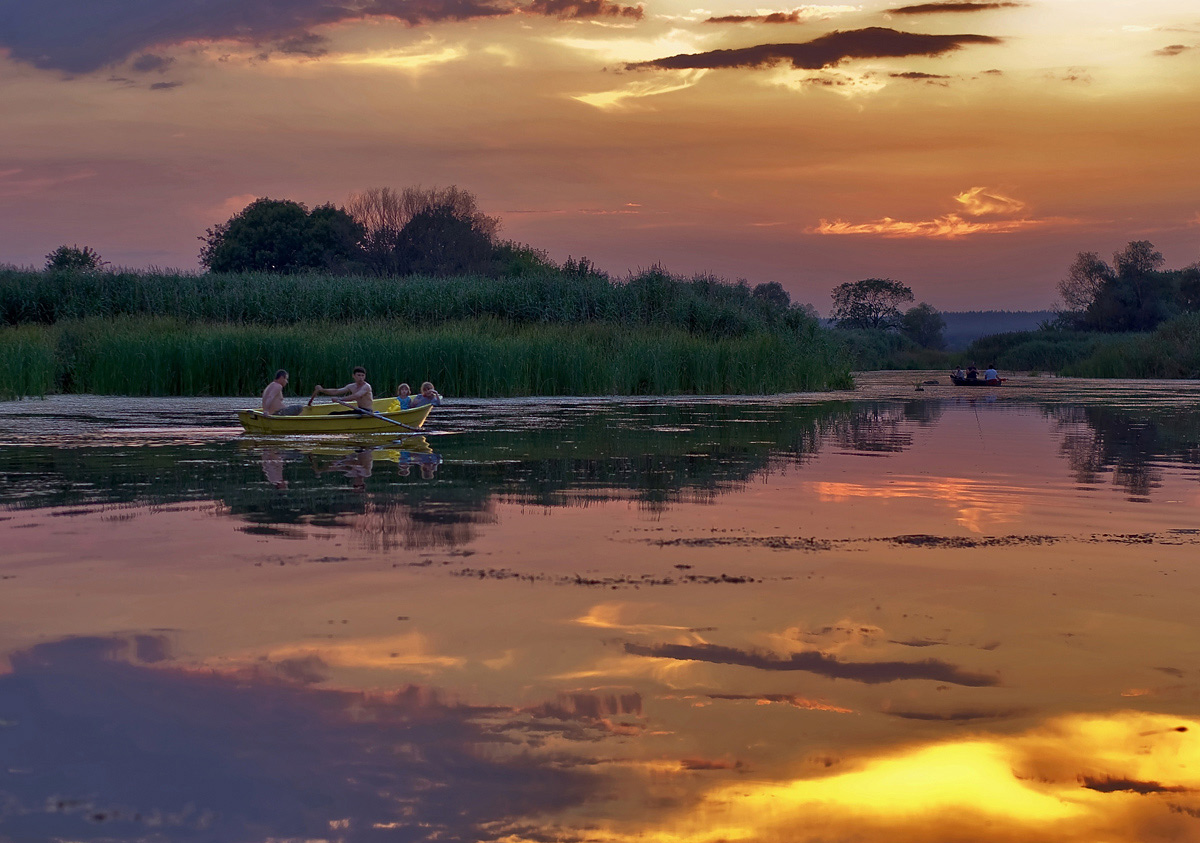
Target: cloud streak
[(826, 51), (871, 673), (938, 8)]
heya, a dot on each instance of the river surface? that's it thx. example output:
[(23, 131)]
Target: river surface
[(893, 614)]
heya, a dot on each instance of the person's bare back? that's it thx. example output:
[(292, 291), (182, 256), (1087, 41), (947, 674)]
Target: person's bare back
[(272, 397)]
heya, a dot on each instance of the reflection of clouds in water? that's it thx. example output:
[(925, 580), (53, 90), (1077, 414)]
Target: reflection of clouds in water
[(612, 616), (99, 748), (868, 672), (1124, 777), (978, 504), (409, 652)]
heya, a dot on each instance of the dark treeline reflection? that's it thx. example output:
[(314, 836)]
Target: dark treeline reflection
[(1100, 442), (434, 491)]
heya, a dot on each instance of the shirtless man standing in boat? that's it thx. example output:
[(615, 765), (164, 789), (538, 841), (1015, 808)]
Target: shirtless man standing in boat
[(272, 397), (357, 391)]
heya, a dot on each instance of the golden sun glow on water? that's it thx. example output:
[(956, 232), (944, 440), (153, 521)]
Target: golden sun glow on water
[(1076, 779)]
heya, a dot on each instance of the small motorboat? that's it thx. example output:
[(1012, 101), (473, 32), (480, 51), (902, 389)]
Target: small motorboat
[(338, 418)]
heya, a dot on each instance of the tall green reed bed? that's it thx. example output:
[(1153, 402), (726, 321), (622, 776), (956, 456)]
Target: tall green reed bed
[(28, 361), (701, 305), (486, 358)]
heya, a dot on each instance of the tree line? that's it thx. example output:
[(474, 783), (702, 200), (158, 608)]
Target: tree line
[(1133, 293)]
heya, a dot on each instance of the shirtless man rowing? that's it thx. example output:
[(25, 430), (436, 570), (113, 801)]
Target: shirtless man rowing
[(357, 391)]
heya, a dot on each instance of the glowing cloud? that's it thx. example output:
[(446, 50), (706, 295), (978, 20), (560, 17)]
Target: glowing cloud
[(976, 202), (627, 97)]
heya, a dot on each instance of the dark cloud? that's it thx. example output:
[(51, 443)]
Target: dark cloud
[(306, 44), (150, 63), (1111, 785), (937, 8), (813, 662), (774, 17), (110, 747), (1172, 50), (584, 9), (826, 51), (914, 74), (80, 36), (164, 86)]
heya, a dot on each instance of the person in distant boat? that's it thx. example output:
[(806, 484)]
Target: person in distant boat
[(972, 373), (991, 376), (357, 391), (428, 395), (272, 397), (959, 374), (404, 396)]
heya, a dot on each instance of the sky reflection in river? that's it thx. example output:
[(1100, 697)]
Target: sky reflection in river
[(894, 615)]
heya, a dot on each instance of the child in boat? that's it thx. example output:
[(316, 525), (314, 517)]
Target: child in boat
[(404, 396), (272, 397), (959, 374), (428, 395)]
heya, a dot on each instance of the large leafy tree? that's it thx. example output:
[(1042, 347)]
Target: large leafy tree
[(924, 325), (1131, 294), (873, 303), (74, 259), (385, 213), (438, 241), (279, 235)]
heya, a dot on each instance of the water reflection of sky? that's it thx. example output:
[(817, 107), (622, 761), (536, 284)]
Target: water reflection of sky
[(888, 618)]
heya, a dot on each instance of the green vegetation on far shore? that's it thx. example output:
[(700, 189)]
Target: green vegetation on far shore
[(486, 358), (553, 331)]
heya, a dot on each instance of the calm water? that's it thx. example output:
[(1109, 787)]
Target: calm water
[(886, 615)]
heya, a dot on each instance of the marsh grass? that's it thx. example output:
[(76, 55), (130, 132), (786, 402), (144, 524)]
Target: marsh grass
[(27, 362), (482, 357), (701, 305)]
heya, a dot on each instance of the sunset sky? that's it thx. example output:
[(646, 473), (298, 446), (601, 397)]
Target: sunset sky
[(967, 149)]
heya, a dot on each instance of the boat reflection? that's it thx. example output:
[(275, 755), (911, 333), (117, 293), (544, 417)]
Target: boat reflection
[(353, 461)]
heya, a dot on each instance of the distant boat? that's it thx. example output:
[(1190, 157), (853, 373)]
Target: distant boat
[(976, 381)]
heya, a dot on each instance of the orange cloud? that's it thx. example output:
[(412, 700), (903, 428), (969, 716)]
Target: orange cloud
[(975, 202)]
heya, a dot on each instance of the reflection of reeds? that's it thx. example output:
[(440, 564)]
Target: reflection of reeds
[(143, 356)]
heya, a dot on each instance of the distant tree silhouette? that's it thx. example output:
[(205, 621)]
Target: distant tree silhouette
[(872, 303), (925, 326), (438, 241), (384, 213), (772, 292), (74, 259), (279, 235), (1131, 294)]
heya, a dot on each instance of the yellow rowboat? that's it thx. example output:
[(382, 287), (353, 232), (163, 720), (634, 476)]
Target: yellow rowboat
[(337, 418)]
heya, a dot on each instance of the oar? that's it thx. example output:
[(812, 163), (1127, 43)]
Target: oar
[(376, 415)]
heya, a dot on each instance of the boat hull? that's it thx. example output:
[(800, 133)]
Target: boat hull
[(977, 382), (334, 418)]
